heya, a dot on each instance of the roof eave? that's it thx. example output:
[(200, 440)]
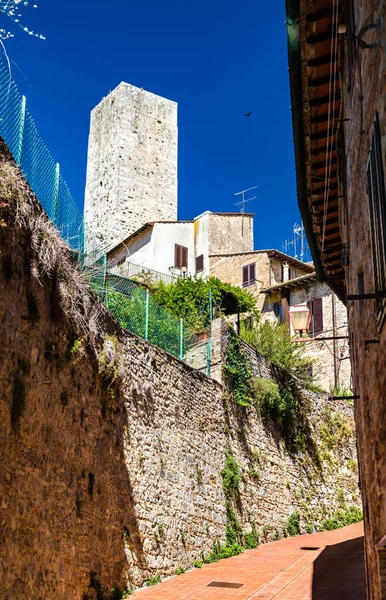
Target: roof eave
[(295, 75)]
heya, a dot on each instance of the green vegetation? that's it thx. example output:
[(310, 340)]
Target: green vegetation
[(189, 299), (75, 348), (220, 552), (181, 569), (287, 409), (251, 539), (238, 371), (352, 465), (343, 517), (336, 429), (231, 477), (153, 580), (126, 593), (198, 564), (128, 306), (274, 343), (293, 524)]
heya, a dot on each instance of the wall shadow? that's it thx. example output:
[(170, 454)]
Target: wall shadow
[(339, 572)]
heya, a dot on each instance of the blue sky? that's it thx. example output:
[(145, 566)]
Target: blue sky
[(218, 60)]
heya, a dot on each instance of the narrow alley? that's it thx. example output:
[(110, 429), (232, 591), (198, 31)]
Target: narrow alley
[(319, 566)]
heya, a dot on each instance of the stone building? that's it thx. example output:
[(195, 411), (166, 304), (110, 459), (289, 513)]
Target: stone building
[(169, 249), (327, 332), (256, 270), (337, 76), (279, 283), (132, 165)]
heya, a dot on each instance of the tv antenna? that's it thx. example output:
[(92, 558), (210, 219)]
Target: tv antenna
[(298, 242), (244, 200)]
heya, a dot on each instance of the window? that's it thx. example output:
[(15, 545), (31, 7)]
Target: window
[(285, 273), (316, 321), (249, 275), (376, 193), (278, 309), (180, 257), (199, 263)]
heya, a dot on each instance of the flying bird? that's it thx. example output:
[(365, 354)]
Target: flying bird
[(247, 114)]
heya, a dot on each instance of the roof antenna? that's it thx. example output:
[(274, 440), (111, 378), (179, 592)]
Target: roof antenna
[(244, 200)]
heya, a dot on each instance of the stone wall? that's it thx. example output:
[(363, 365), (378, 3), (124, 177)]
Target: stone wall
[(111, 449), (132, 165), (364, 95)]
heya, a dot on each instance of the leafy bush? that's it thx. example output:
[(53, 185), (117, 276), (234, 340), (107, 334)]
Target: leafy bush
[(284, 407), (220, 552), (231, 477), (198, 564), (189, 299), (343, 517), (238, 371), (274, 343), (293, 524), (181, 569), (251, 540), (153, 580)]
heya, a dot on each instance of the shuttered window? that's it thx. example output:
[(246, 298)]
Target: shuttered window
[(376, 193), (316, 322), (249, 274), (180, 256), (199, 263)]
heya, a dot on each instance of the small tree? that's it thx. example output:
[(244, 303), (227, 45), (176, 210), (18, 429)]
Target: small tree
[(189, 299)]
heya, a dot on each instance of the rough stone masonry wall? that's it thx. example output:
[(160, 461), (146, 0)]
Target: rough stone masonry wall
[(112, 450), (364, 95), (131, 165)]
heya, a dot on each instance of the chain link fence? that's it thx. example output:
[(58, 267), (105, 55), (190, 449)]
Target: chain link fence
[(131, 304)]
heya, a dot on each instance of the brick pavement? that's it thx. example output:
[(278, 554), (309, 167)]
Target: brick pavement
[(319, 566)]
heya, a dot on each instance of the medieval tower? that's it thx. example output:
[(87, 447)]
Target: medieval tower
[(131, 167)]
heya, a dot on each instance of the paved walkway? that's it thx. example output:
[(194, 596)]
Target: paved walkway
[(319, 566)]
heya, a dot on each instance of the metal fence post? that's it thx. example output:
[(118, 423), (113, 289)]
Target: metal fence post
[(208, 346), (147, 316), (210, 305), (181, 337), (56, 194), (21, 130), (104, 279)]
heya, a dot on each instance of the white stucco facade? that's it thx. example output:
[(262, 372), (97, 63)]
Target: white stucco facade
[(152, 247)]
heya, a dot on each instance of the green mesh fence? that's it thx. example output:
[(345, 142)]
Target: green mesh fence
[(18, 130), (136, 310), (129, 303)]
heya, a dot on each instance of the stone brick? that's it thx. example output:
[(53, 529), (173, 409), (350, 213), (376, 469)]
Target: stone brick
[(132, 165)]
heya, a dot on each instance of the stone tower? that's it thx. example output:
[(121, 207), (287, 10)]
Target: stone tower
[(131, 167)]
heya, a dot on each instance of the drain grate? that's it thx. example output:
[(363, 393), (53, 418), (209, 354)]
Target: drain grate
[(225, 584), (310, 548)]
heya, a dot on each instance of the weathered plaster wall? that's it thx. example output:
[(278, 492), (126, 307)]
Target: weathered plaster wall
[(230, 232), (364, 95), (132, 165), (112, 450), (229, 268)]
